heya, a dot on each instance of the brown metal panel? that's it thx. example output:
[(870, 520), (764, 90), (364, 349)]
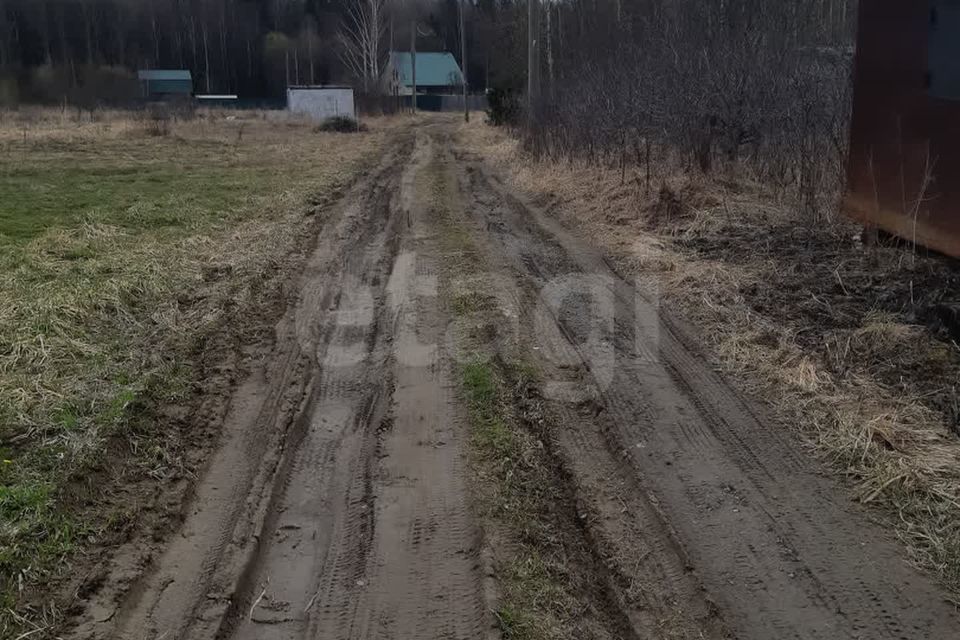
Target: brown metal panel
[(904, 170)]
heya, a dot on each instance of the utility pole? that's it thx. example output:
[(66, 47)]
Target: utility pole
[(550, 76), (413, 63), (394, 84), (463, 61), (532, 65)]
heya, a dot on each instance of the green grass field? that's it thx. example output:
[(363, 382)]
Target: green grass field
[(108, 240), (159, 183)]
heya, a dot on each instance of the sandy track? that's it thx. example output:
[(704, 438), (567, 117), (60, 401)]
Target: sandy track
[(337, 503)]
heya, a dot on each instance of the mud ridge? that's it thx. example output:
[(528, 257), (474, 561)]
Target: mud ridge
[(575, 515), (367, 422), (626, 551)]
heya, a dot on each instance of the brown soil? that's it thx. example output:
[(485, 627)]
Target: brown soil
[(822, 284), (144, 510), (337, 502), (748, 515), (850, 346), (334, 505)]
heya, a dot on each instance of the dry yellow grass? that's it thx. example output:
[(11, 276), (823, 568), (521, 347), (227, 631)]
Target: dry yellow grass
[(899, 451)]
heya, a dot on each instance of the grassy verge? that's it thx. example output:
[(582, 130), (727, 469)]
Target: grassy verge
[(533, 602), (541, 586), (125, 259), (548, 588)]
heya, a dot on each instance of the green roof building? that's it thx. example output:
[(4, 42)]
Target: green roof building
[(166, 83), (437, 72)]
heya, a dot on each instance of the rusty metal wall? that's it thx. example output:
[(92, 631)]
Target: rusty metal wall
[(904, 170)]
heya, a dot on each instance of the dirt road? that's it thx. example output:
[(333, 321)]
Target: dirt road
[(339, 504)]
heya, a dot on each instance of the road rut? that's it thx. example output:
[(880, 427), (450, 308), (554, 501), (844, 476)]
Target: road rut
[(338, 503), (751, 518)]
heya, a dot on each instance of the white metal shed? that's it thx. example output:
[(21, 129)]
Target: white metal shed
[(321, 102)]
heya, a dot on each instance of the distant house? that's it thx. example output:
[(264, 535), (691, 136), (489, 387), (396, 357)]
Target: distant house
[(161, 84), (437, 72)]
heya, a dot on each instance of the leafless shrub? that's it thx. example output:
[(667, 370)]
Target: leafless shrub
[(744, 85)]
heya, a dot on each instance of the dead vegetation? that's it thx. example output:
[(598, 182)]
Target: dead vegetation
[(130, 273), (743, 83), (847, 342), (340, 124)]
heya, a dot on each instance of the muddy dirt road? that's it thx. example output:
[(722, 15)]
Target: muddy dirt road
[(338, 504)]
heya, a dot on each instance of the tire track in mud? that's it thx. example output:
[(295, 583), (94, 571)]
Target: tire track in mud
[(615, 540), (731, 505), (194, 583), (320, 513), (420, 578), (335, 505)]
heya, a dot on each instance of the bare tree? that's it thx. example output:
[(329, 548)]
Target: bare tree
[(718, 84), (361, 37)]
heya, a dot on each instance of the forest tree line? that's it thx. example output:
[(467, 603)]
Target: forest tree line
[(755, 81), (751, 83), (86, 51)]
